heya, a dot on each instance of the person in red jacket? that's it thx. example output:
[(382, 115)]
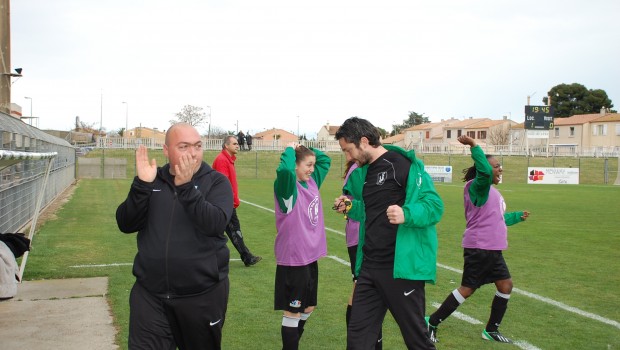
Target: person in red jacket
[(225, 164)]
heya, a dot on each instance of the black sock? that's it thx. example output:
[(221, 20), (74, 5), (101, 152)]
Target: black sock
[(290, 338), (300, 328), (348, 315), (498, 309), (445, 310), (302, 321)]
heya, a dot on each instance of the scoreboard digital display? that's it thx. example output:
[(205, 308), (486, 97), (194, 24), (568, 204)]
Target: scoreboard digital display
[(538, 117)]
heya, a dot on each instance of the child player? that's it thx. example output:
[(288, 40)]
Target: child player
[(300, 240), (484, 240)]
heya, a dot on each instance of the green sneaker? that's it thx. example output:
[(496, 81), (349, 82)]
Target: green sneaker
[(431, 330), (495, 336)]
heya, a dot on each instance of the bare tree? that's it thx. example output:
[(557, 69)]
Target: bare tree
[(191, 115), (218, 133), (82, 126), (499, 135)]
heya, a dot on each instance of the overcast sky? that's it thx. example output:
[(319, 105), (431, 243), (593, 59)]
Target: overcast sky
[(264, 63)]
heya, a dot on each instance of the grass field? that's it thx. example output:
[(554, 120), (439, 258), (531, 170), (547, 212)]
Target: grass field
[(565, 262)]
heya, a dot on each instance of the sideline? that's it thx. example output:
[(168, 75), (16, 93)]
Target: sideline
[(516, 290)]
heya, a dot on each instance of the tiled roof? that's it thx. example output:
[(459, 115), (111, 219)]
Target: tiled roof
[(271, 131), (332, 129), (465, 123), (392, 139), (487, 124), (612, 117), (422, 126), (576, 119)]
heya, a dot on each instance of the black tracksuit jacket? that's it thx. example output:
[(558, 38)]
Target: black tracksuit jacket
[(181, 243)]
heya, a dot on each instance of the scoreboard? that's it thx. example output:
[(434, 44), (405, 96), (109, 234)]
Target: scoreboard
[(538, 117)]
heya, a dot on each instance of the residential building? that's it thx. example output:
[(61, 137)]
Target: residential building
[(572, 131), (426, 133), (396, 140), (327, 132), (491, 132), (147, 133), (462, 127), (274, 135), (606, 131)]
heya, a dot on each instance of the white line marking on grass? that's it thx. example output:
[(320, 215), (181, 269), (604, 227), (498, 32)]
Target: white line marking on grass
[(343, 262), (103, 265), (569, 308), (516, 290), (461, 316), (256, 205), (525, 345), (552, 302)]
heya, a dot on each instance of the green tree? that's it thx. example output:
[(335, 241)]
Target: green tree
[(191, 115), (413, 120), (573, 99), (382, 132)]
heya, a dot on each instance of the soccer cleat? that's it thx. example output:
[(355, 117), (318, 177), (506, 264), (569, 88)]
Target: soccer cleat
[(495, 336), (431, 330), (252, 260)]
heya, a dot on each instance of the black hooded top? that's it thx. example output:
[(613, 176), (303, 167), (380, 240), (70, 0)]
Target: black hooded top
[(181, 243)]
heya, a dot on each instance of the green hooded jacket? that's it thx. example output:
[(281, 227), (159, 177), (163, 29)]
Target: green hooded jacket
[(416, 239)]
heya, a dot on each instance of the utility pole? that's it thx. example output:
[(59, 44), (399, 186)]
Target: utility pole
[(5, 53)]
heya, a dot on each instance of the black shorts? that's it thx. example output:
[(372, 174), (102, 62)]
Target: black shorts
[(296, 287), (352, 258), (482, 267)]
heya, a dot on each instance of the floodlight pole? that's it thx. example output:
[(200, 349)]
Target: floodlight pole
[(126, 118)]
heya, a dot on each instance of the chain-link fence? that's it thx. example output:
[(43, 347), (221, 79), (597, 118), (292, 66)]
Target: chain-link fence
[(21, 180), (262, 164)]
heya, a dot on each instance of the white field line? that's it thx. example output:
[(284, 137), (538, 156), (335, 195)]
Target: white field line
[(461, 316), (552, 302), (516, 290), (103, 265), (342, 261)]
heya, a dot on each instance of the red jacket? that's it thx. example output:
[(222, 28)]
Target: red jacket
[(225, 164)]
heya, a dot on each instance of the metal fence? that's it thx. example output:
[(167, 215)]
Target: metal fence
[(550, 150), (262, 164), (21, 181)]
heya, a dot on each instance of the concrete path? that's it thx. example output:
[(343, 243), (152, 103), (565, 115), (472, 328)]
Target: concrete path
[(58, 314)]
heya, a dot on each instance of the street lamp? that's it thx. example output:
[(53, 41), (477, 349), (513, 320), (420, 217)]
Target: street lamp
[(209, 131), (30, 98), (298, 128), (126, 119)]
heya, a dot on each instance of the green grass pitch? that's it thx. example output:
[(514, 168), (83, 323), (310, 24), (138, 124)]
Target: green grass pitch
[(565, 262)]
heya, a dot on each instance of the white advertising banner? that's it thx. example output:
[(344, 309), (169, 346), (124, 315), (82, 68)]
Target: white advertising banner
[(439, 173), (538, 134), (553, 176)]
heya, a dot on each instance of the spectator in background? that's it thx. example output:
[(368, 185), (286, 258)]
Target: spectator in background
[(241, 140), (248, 140), (225, 164), (180, 211)]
